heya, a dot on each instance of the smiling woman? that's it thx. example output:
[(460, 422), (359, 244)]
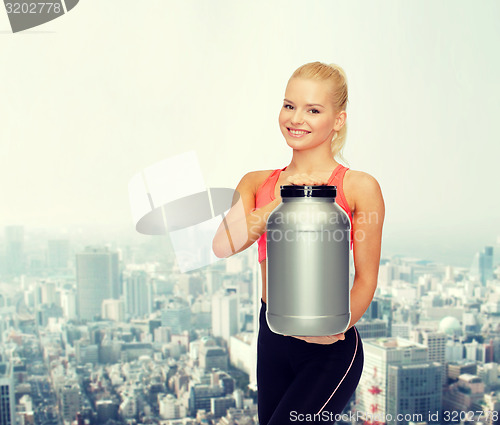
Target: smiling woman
[(309, 374), (311, 123)]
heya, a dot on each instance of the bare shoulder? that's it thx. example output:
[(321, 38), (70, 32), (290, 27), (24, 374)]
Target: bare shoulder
[(363, 189), (357, 178), (253, 179)]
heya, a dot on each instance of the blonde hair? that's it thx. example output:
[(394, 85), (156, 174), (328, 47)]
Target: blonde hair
[(336, 76)]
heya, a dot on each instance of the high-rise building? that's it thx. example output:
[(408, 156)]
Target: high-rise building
[(213, 358), (48, 292), (225, 314), (374, 328), (14, 250), (436, 345), (170, 407), (70, 401), (97, 279), (161, 334), (455, 369), (68, 303), (86, 352), (113, 310), (138, 293), (482, 265), (7, 395), (106, 410), (375, 396), (200, 396), (401, 330), (381, 308), (128, 406), (466, 394), (414, 390), (177, 316), (220, 405)]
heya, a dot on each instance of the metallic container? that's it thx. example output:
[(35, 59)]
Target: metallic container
[(308, 240)]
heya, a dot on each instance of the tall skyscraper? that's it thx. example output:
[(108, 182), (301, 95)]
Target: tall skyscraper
[(392, 377), (97, 279), (70, 401), (436, 345), (7, 395), (482, 265), (381, 308), (138, 293), (14, 250), (225, 314)]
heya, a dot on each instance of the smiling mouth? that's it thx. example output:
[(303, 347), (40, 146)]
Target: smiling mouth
[(294, 132)]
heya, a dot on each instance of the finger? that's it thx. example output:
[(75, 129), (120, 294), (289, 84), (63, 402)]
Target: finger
[(303, 338)]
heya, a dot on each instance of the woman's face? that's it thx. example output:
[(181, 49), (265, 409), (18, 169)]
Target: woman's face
[(308, 117)]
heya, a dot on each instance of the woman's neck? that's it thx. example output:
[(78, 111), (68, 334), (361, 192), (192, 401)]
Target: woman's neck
[(308, 162)]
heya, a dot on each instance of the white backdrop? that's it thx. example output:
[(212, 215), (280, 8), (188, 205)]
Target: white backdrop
[(91, 98)]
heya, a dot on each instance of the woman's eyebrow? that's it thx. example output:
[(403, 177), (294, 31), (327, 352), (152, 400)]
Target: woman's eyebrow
[(308, 104)]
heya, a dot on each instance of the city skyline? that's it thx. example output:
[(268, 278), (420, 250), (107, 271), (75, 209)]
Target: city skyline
[(204, 322), (450, 253)]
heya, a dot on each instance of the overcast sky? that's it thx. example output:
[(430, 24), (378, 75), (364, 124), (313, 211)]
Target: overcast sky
[(94, 97)]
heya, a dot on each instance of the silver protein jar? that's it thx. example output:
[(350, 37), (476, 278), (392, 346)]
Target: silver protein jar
[(308, 241)]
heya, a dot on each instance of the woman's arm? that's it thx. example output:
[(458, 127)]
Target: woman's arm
[(243, 224), (368, 220)]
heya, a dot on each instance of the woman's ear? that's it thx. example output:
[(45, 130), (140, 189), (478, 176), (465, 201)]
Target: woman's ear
[(340, 120)]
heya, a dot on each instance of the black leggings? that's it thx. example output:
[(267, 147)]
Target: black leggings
[(297, 379)]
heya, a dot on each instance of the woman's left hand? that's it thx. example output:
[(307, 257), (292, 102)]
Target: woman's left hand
[(325, 340)]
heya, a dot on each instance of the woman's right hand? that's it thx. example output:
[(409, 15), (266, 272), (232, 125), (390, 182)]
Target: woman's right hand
[(312, 179), (300, 179)]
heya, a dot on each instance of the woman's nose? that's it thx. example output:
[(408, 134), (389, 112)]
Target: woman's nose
[(297, 118)]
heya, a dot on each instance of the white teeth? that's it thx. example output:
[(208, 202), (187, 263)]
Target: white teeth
[(297, 132)]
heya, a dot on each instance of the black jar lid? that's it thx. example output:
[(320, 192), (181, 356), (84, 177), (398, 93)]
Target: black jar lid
[(303, 191)]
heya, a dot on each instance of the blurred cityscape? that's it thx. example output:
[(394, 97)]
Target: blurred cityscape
[(113, 333)]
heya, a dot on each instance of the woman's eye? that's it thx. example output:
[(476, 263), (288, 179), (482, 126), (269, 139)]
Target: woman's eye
[(314, 111), (288, 106)]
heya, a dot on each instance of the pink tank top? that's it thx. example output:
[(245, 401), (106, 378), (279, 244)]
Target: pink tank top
[(265, 194)]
